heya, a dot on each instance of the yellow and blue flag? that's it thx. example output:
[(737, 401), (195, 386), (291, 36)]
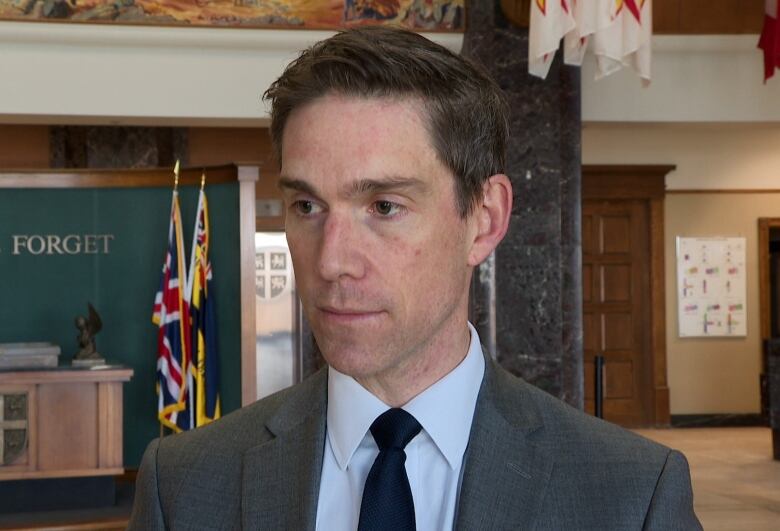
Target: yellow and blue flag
[(205, 370)]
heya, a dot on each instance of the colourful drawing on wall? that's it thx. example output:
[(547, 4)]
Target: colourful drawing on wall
[(435, 15), (711, 287)]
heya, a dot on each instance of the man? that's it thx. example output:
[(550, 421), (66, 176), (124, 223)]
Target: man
[(392, 160)]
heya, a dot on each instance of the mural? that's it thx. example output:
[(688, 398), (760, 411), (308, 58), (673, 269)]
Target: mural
[(436, 15)]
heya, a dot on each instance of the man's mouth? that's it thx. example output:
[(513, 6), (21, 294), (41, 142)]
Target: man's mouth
[(347, 314)]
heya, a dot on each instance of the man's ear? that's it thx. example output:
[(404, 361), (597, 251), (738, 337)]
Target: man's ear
[(491, 216)]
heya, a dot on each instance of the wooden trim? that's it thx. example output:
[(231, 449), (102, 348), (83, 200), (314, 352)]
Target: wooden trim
[(101, 524), (661, 410), (66, 376), (109, 425), (129, 476), (628, 169), (122, 178), (726, 191), (763, 276), (70, 473), (247, 258), (624, 182), (517, 12), (765, 310), (718, 420)]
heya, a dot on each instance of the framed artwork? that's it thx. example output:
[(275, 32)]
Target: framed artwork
[(711, 287), (428, 15)]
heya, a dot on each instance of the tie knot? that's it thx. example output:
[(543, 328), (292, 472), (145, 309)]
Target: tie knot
[(394, 429)]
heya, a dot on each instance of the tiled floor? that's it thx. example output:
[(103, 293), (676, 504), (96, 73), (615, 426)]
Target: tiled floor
[(736, 484)]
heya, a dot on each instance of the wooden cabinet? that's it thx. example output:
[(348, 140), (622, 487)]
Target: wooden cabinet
[(61, 423)]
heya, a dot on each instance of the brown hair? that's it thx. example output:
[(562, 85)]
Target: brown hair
[(467, 114)]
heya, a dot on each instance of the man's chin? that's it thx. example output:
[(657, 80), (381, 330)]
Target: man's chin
[(355, 363)]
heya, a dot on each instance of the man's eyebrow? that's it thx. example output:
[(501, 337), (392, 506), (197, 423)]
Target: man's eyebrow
[(287, 183), (385, 184)]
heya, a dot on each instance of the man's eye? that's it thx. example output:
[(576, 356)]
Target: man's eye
[(305, 207), (386, 208)]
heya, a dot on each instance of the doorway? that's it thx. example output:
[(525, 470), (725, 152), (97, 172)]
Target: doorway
[(623, 292), (769, 293)]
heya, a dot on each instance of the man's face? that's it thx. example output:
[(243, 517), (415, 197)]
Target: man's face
[(379, 250)]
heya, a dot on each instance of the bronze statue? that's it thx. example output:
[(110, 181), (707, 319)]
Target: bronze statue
[(88, 328)]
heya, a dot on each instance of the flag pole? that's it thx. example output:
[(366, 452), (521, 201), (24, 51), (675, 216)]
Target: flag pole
[(176, 176), (202, 180)]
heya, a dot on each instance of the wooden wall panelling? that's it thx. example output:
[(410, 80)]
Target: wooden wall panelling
[(699, 17), (222, 145), (680, 17), (666, 16), (24, 146)]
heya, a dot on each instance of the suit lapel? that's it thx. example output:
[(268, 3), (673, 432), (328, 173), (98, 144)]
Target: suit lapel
[(281, 477), (505, 474)]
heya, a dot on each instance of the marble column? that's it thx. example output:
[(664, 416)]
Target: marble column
[(116, 146), (537, 271)]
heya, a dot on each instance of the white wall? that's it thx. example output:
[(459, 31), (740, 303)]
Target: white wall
[(708, 156), (709, 78), (89, 73), (111, 74)]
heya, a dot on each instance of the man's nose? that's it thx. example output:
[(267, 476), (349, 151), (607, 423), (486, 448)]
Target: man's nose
[(341, 252)]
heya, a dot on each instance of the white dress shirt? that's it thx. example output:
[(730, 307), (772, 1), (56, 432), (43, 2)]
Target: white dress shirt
[(434, 457)]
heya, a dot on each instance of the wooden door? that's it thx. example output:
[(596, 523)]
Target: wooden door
[(616, 312)]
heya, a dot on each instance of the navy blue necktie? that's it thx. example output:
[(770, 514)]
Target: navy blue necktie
[(387, 498)]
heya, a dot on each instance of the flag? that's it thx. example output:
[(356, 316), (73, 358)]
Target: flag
[(205, 369), (621, 33), (589, 16), (550, 21), (171, 315), (770, 38), (626, 40)]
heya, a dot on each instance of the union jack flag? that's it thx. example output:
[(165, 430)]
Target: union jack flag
[(172, 316)]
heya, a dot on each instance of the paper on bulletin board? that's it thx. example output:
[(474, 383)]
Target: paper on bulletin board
[(711, 287)]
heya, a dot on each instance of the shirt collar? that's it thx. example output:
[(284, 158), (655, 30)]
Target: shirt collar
[(445, 410)]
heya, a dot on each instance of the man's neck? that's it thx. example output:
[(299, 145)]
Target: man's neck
[(399, 384)]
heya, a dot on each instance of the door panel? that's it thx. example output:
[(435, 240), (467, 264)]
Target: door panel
[(616, 319)]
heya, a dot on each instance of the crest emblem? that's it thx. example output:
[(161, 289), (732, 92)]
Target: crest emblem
[(273, 272), (13, 427)]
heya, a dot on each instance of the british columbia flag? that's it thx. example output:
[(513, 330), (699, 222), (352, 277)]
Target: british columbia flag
[(172, 316)]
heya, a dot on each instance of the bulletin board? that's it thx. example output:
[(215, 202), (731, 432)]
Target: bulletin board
[(711, 287)]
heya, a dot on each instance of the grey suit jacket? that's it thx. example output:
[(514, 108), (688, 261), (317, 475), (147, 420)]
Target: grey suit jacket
[(532, 463)]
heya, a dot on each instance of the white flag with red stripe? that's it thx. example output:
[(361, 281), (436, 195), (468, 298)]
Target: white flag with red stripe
[(588, 18), (770, 38), (619, 31), (550, 21), (626, 40)]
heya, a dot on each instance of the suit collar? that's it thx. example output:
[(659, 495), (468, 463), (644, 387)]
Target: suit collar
[(505, 473), (445, 409), (281, 477)]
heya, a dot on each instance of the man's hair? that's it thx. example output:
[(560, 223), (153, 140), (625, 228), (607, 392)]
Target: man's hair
[(466, 111)]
